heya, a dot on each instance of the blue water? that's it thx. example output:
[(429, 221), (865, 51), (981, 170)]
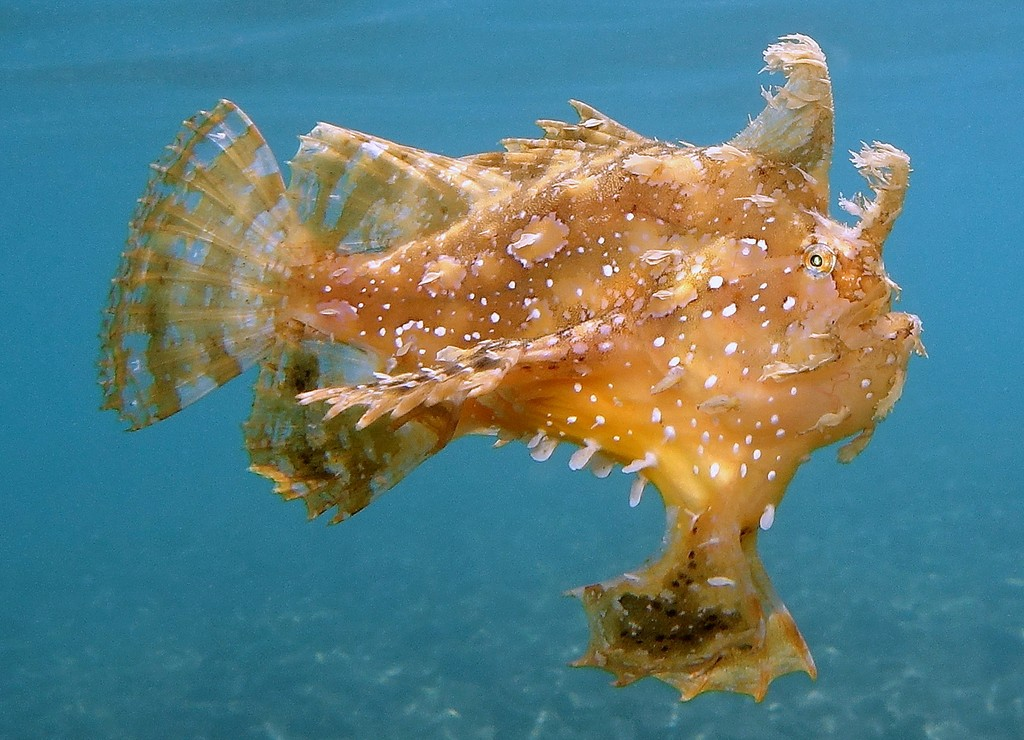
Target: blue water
[(151, 587)]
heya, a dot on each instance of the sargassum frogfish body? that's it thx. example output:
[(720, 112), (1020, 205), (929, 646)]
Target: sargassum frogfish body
[(690, 314)]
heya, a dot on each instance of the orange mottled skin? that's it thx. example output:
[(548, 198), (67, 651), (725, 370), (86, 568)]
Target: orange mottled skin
[(691, 314)]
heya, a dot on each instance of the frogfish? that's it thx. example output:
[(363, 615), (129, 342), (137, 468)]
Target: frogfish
[(691, 315)]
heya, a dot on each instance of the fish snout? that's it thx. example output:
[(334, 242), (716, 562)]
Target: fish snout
[(904, 329)]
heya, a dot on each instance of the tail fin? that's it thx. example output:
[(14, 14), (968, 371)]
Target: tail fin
[(197, 297)]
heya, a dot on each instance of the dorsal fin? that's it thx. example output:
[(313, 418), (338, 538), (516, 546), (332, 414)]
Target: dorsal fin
[(796, 125), (594, 129), (564, 145), (359, 193)]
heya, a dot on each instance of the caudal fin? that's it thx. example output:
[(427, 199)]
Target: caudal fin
[(198, 295)]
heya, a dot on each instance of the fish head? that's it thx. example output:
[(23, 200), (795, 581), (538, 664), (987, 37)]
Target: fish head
[(873, 343), (770, 340), (790, 339), (824, 356)]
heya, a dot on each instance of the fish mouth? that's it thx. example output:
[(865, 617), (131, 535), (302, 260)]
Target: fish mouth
[(881, 354), (897, 337), (885, 332), (901, 328)]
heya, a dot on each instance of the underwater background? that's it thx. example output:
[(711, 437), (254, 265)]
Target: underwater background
[(151, 587)]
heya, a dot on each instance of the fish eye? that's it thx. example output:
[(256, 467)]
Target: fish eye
[(819, 259)]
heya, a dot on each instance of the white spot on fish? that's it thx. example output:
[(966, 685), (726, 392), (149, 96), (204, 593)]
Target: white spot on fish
[(582, 456), (636, 491), (542, 451), (648, 461)]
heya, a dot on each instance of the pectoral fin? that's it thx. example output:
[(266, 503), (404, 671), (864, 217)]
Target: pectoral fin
[(703, 617)]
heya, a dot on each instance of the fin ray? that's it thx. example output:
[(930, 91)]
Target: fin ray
[(460, 374)]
